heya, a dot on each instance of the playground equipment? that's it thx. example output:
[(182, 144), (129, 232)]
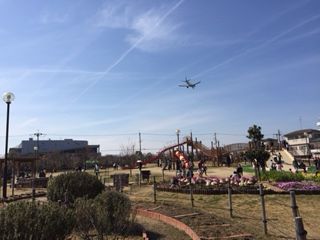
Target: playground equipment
[(185, 163), (194, 150)]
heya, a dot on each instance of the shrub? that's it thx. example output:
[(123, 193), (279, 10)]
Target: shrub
[(26, 220), (85, 215), (73, 185), (108, 213), (55, 220), (113, 212), (281, 176)]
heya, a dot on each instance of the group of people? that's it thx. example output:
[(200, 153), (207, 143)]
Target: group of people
[(298, 165), (276, 163), (115, 166)]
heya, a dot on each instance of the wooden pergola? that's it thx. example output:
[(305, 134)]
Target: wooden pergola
[(17, 161)]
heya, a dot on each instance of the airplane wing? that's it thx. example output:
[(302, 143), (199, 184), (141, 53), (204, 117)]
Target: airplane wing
[(197, 83), (183, 86)]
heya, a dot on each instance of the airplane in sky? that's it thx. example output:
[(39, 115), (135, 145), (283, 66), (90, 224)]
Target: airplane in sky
[(189, 84)]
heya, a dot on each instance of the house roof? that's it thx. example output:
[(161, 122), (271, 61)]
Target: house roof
[(301, 132)]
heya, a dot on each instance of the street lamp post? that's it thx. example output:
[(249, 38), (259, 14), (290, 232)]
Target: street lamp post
[(178, 133), (7, 97), (34, 172)]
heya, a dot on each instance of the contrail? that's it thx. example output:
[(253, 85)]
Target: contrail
[(127, 52), (264, 44)]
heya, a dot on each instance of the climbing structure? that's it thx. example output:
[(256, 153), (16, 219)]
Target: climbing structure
[(188, 147)]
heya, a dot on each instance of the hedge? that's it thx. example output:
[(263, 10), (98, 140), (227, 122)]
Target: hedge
[(27, 220)]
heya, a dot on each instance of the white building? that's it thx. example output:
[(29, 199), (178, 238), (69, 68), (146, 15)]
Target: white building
[(303, 143)]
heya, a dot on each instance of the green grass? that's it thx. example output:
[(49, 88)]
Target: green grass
[(312, 169), (248, 168), (282, 176)]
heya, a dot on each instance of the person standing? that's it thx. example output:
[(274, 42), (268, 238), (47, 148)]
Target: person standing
[(239, 170), (96, 169), (317, 165), (228, 160)]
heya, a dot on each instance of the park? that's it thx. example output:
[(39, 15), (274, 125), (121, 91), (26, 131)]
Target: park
[(137, 119), (185, 191)]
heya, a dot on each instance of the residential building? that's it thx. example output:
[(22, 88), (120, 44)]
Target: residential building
[(236, 147), (271, 143), (303, 143)]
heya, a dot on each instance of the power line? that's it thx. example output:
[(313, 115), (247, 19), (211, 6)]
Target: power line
[(124, 134), (159, 134), (232, 134), (93, 135)]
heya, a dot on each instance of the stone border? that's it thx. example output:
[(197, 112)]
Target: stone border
[(168, 220)]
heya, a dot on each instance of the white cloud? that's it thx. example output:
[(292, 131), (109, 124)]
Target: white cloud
[(149, 29), (117, 14), (153, 34)]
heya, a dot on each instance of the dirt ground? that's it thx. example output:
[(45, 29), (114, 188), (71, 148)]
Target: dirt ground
[(246, 212), (160, 231), (205, 224), (157, 172)]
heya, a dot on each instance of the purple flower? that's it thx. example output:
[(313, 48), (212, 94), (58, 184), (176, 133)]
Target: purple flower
[(308, 186)]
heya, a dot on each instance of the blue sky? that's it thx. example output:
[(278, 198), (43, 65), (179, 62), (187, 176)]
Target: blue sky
[(106, 70)]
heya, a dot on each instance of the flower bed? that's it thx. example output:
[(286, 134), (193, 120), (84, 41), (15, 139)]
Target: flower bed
[(305, 186), (207, 190), (211, 185)]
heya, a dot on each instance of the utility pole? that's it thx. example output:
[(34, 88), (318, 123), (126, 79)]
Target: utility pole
[(215, 139), (38, 134), (279, 140), (191, 142), (178, 138), (140, 142), (217, 150), (278, 134)]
